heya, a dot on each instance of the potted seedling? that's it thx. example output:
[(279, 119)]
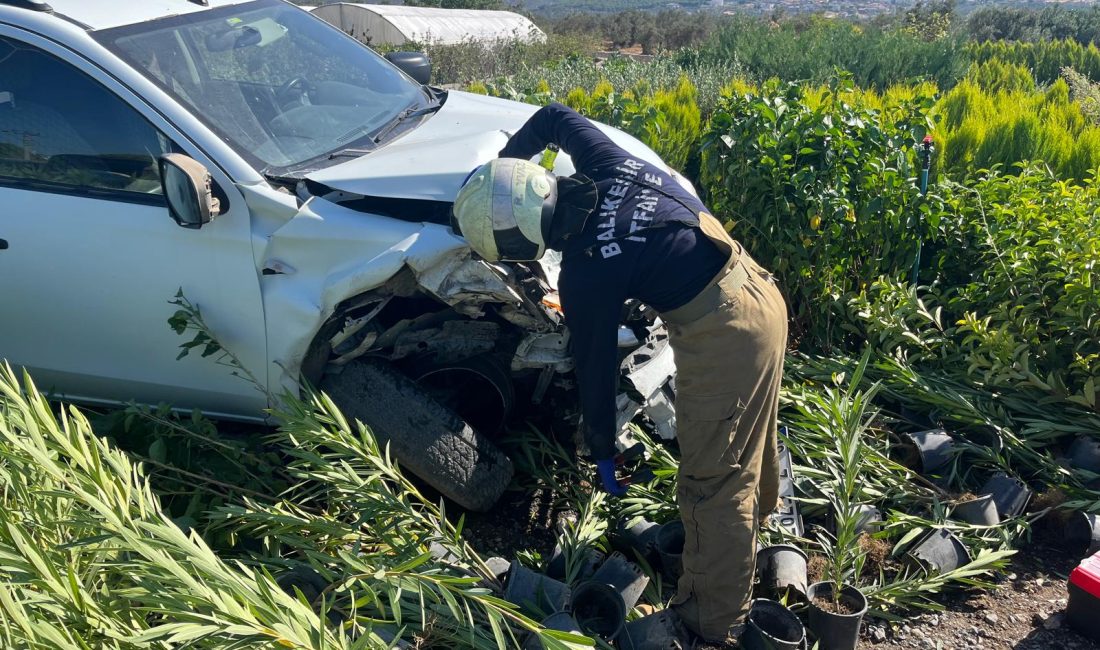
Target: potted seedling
[(836, 605)]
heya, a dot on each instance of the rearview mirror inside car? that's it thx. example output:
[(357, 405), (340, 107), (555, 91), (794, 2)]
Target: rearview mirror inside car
[(414, 64), (189, 190)]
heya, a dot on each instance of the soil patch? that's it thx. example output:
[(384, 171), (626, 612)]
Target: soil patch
[(841, 606), (876, 552), (815, 568)]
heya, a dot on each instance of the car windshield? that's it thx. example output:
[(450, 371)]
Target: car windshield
[(278, 84)]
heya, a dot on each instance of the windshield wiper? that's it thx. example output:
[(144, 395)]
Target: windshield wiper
[(406, 114)]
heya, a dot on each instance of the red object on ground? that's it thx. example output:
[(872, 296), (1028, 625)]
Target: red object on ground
[(1083, 610)]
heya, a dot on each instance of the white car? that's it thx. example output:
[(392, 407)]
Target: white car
[(296, 187)]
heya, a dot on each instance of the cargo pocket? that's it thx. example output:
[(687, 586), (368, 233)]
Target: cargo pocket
[(706, 427)]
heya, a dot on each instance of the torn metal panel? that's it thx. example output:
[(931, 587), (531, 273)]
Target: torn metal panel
[(538, 350), (650, 369), (659, 409)]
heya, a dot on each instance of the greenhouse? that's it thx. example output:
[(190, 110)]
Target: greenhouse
[(397, 25)]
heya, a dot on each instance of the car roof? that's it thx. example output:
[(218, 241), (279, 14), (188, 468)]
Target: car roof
[(104, 14)]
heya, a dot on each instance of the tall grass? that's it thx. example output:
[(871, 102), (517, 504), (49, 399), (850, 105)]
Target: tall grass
[(90, 559)]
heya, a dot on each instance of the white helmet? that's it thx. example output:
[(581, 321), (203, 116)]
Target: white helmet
[(505, 210)]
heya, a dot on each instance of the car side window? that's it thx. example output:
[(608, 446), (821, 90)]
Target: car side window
[(60, 129)]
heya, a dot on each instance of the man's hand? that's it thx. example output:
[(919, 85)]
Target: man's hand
[(606, 469)]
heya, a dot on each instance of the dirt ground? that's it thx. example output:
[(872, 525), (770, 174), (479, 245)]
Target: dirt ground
[(1026, 611)]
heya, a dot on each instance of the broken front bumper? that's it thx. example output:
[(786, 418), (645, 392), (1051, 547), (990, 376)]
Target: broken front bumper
[(650, 373)]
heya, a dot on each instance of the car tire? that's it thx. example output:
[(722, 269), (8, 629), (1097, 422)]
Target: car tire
[(427, 438)]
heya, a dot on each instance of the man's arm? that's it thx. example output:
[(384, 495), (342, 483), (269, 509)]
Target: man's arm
[(588, 146), (592, 309)]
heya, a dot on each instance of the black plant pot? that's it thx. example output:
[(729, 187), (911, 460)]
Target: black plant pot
[(305, 579), (556, 568), (1084, 454), (670, 548), (934, 449), (771, 626), (868, 521), (560, 621), (599, 609), (780, 568), (836, 631), (1083, 532), (535, 592), (623, 576), (981, 511), (660, 631), (941, 551), (640, 537), (1009, 493)]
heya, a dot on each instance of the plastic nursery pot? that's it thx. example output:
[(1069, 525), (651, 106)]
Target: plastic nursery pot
[(771, 626), (660, 631), (941, 551), (533, 591), (1009, 493), (868, 521), (670, 548), (981, 511), (836, 630), (780, 568), (1083, 532), (1084, 454), (599, 609), (934, 449), (560, 621), (304, 579), (590, 559), (623, 576), (640, 537)]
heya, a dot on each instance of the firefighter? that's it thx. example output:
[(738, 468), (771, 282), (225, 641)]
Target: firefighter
[(627, 229)]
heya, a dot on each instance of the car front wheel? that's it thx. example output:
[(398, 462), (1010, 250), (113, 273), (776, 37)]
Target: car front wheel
[(427, 438)]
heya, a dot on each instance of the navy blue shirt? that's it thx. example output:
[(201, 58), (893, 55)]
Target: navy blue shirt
[(642, 242)]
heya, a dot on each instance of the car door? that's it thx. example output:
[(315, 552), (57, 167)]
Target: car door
[(89, 256)]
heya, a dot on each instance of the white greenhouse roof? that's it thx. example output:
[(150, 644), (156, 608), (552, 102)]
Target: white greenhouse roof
[(390, 23)]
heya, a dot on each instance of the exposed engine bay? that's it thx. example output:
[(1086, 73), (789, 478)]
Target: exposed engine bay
[(489, 341)]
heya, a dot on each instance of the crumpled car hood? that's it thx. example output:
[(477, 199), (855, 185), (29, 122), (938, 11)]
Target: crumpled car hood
[(431, 161)]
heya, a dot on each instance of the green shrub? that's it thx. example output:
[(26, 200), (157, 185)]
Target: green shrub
[(995, 117), (1014, 289), (1045, 59), (813, 48), (821, 192), (470, 61), (996, 76), (1085, 93), (661, 73), (667, 120)]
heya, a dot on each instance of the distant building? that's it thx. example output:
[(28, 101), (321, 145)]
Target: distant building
[(398, 24)]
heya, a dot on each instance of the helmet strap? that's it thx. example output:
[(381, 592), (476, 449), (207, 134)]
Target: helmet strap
[(577, 199)]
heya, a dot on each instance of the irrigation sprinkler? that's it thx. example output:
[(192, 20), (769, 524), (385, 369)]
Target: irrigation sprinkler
[(925, 166)]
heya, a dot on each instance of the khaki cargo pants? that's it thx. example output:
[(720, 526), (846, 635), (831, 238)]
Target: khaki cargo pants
[(729, 366)]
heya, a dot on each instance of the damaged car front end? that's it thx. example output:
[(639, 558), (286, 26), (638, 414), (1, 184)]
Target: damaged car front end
[(488, 339)]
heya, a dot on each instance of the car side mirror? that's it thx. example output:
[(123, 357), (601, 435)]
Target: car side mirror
[(189, 190), (414, 64)]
